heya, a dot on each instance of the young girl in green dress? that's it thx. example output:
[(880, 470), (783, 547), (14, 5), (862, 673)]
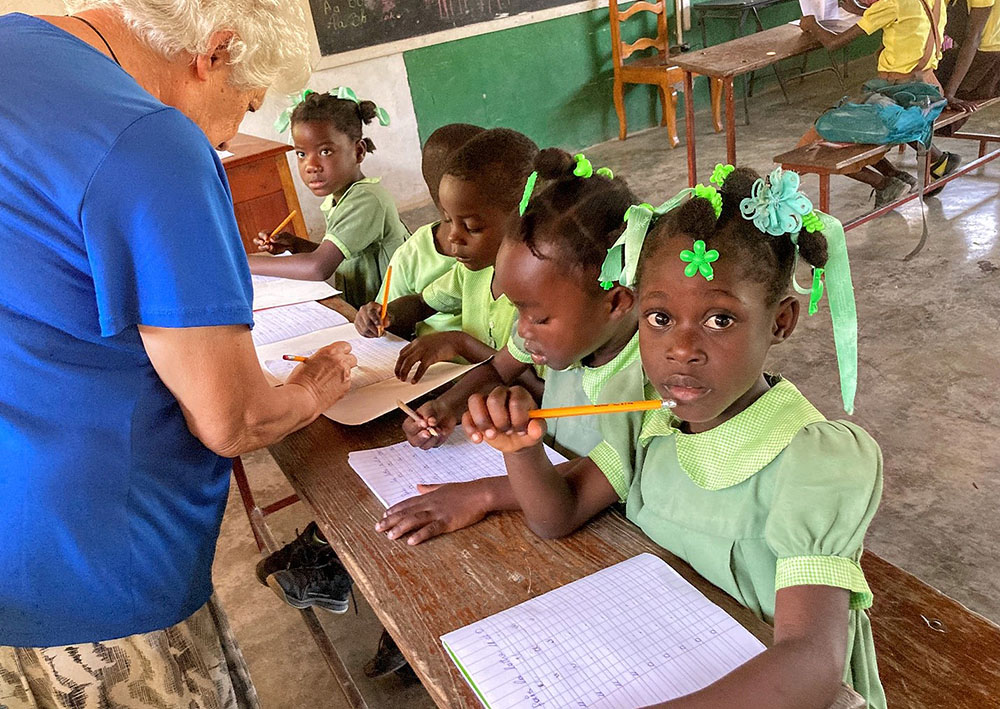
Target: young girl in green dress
[(363, 228), (743, 478)]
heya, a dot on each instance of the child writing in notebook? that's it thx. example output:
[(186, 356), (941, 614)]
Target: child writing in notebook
[(479, 194), (580, 336), (362, 225), (427, 254), (744, 479)]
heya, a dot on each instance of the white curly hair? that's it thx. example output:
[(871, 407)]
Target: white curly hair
[(269, 48)]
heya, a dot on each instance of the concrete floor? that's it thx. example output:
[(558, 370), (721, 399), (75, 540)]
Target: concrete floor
[(929, 372)]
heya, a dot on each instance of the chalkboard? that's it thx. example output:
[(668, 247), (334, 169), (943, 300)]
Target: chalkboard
[(343, 25)]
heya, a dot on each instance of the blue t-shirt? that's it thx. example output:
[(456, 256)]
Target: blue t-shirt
[(116, 212)]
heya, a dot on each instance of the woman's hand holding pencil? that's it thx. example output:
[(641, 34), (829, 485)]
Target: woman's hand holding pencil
[(326, 374)]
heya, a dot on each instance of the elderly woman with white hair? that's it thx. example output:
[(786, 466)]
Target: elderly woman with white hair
[(128, 375)]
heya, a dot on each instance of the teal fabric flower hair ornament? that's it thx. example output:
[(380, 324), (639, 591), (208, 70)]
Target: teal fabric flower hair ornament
[(776, 206), (346, 93), (699, 260)]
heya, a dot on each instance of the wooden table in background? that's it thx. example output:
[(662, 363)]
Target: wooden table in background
[(731, 59), (262, 187), (420, 593)]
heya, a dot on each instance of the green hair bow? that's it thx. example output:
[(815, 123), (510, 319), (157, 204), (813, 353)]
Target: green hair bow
[(623, 257), (345, 93)]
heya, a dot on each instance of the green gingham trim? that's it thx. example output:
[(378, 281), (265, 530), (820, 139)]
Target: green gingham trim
[(740, 447), (835, 571), (594, 378), (606, 458), (516, 352)]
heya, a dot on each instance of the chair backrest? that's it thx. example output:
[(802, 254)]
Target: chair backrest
[(620, 51)]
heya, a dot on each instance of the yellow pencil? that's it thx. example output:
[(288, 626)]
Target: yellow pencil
[(283, 224), (294, 358), (416, 417), (385, 297), (601, 409)]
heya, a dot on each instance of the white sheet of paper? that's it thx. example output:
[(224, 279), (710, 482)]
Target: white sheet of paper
[(630, 635), (829, 13), (376, 363), (223, 154), (271, 291), (393, 473), (288, 321)]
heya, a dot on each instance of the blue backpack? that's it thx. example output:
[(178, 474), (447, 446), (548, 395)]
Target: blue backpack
[(889, 114)]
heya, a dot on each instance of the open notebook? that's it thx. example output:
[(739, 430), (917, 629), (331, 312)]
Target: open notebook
[(271, 291), (393, 473), (630, 635), (374, 387)]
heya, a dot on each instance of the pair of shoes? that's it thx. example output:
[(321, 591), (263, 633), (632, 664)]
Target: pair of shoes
[(946, 164), (306, 572), (387, 658), (893, 190), (907, 178)]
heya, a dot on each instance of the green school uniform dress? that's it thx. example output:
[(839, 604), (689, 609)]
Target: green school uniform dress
[(776, 496), (365, 226), (469, 293), (415, 265), (620, 379)]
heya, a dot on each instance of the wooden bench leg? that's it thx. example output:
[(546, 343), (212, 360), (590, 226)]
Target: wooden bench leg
[(668, 103), (824, 193), (715, 88)]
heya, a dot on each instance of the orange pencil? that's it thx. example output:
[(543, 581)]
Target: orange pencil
[(385, 296), (283, 224), (416, 417), (601, 409)]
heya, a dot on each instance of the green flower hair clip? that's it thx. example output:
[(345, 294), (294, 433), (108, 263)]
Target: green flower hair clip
[(699, 261), (720, 173), (583, 169), (712, 195)]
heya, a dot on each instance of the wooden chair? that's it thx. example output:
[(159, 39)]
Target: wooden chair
[(656, 70)]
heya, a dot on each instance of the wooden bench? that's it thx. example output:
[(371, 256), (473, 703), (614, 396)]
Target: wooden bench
[(932, 651), (826, 160)]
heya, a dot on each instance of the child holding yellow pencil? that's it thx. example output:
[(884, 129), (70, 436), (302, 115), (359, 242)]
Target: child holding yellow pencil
[(745, 480), (363, 228), (579, 336)]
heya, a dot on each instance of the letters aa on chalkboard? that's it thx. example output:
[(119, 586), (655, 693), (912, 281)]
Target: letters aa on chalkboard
[(343, 25)]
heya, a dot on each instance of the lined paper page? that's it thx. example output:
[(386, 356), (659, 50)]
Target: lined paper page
[(630, 635), (376, 360), (271, 291), (392, 473), (288, 321)]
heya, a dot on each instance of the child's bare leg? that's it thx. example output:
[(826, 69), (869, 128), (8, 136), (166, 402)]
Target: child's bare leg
[(871, 177)]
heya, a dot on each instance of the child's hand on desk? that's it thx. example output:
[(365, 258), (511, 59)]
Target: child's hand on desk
[(326, 374), (436, 416), (501, 419), (438, 509), (282, 242), (369, 320), (425, 351)]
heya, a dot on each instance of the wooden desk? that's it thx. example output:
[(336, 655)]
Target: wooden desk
[(262, 187), (728, 60), (420, 593)]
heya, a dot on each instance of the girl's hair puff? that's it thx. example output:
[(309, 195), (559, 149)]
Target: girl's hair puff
[(574, 219), (498, 161), (345, 115), (763, 258)]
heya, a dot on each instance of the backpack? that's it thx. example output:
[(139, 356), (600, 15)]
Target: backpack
[(889, 114)]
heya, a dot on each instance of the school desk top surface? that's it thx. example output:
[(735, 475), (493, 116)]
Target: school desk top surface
[(749, 53), (420, 593)]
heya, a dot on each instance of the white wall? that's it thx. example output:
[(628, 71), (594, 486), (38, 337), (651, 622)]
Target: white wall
[(381, 79)]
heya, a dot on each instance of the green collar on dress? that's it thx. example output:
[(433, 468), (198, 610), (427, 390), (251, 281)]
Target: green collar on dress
[(594, 378), (329, 203), (742, 446)]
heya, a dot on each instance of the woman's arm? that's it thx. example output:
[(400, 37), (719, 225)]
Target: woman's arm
[(316, 265), (804, 667), (229, 406)]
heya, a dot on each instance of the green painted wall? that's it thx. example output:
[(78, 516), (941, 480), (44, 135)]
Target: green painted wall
[(551, 80)]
